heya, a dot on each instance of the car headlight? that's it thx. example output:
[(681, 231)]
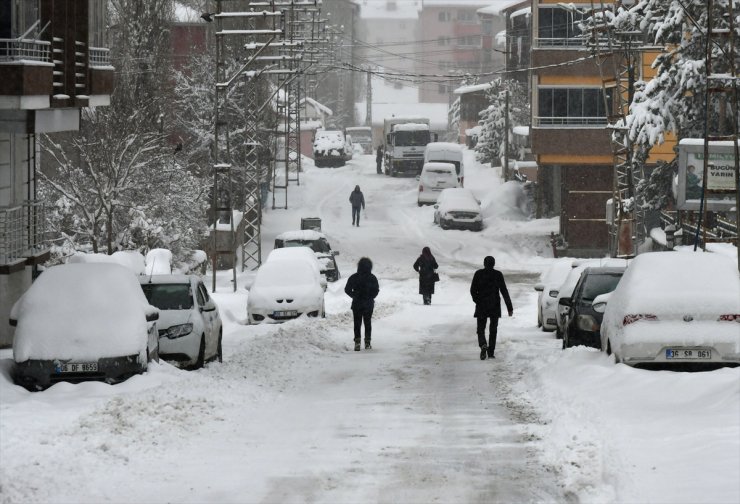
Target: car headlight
[(587, 323), (179, 331)]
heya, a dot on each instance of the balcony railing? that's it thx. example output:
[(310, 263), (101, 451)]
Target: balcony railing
[(13, 50), (570, 121), (22, 231), (99, 57)]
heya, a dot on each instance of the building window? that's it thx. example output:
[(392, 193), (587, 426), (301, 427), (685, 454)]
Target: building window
[(559, 27), (466, 16), (443, 88), (486, 27), (558, 106), (442, 41), (469, 41), (18, 17), (97, 23), (444, 16)]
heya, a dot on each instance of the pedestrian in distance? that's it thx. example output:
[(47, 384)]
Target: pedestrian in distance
[(363, 288), (425, 265), (379, 159), (486, 289), (358, 202)]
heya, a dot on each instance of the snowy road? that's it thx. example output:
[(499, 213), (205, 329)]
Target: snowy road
[(293, 415)]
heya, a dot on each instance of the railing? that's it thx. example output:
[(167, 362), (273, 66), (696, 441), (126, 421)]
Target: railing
[(22, 231), (570, 121), (99, 57), (25, 50)]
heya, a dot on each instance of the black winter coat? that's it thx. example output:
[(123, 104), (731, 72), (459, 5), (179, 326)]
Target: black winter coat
[(425, 267), (357, 199), (485, 288), (363, 288)]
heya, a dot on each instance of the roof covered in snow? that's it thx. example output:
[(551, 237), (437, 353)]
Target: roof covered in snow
[(400, 9), (472, 88), (496, 7)]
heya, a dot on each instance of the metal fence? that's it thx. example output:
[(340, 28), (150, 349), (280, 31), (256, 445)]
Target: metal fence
[(99, 57), (22, 231)]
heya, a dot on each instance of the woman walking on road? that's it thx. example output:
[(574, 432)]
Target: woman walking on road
[(362, 287), (425, 266)]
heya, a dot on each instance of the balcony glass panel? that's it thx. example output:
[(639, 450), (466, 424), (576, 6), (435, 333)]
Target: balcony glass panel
[(570, 106)]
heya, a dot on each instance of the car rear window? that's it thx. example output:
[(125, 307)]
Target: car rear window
[(169, 296), (599, 284)]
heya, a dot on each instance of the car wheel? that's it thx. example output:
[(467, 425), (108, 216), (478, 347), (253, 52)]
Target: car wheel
[(201, 353), (323, 310), (442, 224), (419, 203), (219, 348)]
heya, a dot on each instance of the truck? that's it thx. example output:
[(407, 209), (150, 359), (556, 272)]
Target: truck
[(404, 141), (362, 135)]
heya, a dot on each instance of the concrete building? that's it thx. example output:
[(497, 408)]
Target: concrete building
[(54, 61)]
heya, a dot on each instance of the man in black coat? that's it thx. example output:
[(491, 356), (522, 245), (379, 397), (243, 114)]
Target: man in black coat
[(363, 288), (379, 159), (487, 284)]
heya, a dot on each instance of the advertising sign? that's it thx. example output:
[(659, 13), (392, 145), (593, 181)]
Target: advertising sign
[(720, 184)]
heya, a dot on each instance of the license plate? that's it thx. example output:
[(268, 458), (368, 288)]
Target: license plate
[(79, 367), (286, 313), (688, 353)]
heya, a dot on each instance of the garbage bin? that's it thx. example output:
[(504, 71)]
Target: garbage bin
[(311, 223)]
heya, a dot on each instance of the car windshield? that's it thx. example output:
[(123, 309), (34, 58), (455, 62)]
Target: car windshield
[(169, 296), (315, 245), (599, 284)]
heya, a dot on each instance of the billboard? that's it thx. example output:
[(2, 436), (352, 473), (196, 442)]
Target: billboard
[(720, 184)]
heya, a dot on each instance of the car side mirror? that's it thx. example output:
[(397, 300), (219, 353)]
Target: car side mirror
[(13, 322), (209, 306), (539, 287), (600, 301), (152, 316), (335, 252), (565, 302)]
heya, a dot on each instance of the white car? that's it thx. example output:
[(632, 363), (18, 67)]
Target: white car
[(434, 178), (675, 308), (190, 327), (82, 322), (316, 241), (299, 253), (458, 208), (285, 289), (548, 290)]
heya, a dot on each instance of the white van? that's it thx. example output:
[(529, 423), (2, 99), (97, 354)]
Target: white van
[(435, 177), (446, 152)]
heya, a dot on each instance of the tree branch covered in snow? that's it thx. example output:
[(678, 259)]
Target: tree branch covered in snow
[(490, 146)]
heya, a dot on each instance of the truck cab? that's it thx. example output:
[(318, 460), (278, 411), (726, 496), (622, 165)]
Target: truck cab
[(404, 147)]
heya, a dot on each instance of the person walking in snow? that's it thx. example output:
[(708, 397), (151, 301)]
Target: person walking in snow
[(379, 159), (425, 265), (358, 202), (486, 290), (363, 288)]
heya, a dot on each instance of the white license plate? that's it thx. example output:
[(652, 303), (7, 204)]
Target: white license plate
[(79, 367), (286, 313), (688, 353)]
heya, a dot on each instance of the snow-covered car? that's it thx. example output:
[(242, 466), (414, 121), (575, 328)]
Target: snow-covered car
[(190, 327), (82, 322), (285, 289), (434, 178), (548, 290), (582, 320), (457, 208), (675, 308), (328, 148), (317, 242)]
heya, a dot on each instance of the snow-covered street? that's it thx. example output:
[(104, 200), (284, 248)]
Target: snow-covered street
[(294, 415)]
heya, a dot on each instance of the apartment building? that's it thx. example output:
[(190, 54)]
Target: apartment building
[(54, 61), (449, 44)]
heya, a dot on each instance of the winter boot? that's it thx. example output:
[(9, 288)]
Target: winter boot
[(483, 352), (367, 345), (357, 346)]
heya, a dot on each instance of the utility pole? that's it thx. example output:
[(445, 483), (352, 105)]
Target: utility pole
[(369, 99), (506, 136)]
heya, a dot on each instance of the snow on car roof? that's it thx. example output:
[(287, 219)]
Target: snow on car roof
[(81, 311), (690, 282), (410, 127), (131, 259), (457, 199), (438, 165), (285, 272), (166, 279), (435, 146), (300, 234), (304, 254), (158, 262)]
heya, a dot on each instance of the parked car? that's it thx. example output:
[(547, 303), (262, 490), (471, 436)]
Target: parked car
[(675, 308), (190, 328), (299, 253), (434, 178), (548, 290), (457, 208), (285, 289), (317, 242), (582, 321), (328, 148), (447, 152), (82, 322), (569, 284)]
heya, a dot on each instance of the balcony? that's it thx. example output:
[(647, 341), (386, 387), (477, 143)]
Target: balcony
[(99, 57), (22, 236), (25, 51), (579, 122)]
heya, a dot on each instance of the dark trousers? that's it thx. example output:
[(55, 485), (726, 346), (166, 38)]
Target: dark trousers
[(361, 316), (379, 164), (356, 215), (482, 332)]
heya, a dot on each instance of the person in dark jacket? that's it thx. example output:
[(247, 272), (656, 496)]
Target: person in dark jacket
[(487, 284), (425, 265), (358, 202), (379, 159), (362, 287)]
